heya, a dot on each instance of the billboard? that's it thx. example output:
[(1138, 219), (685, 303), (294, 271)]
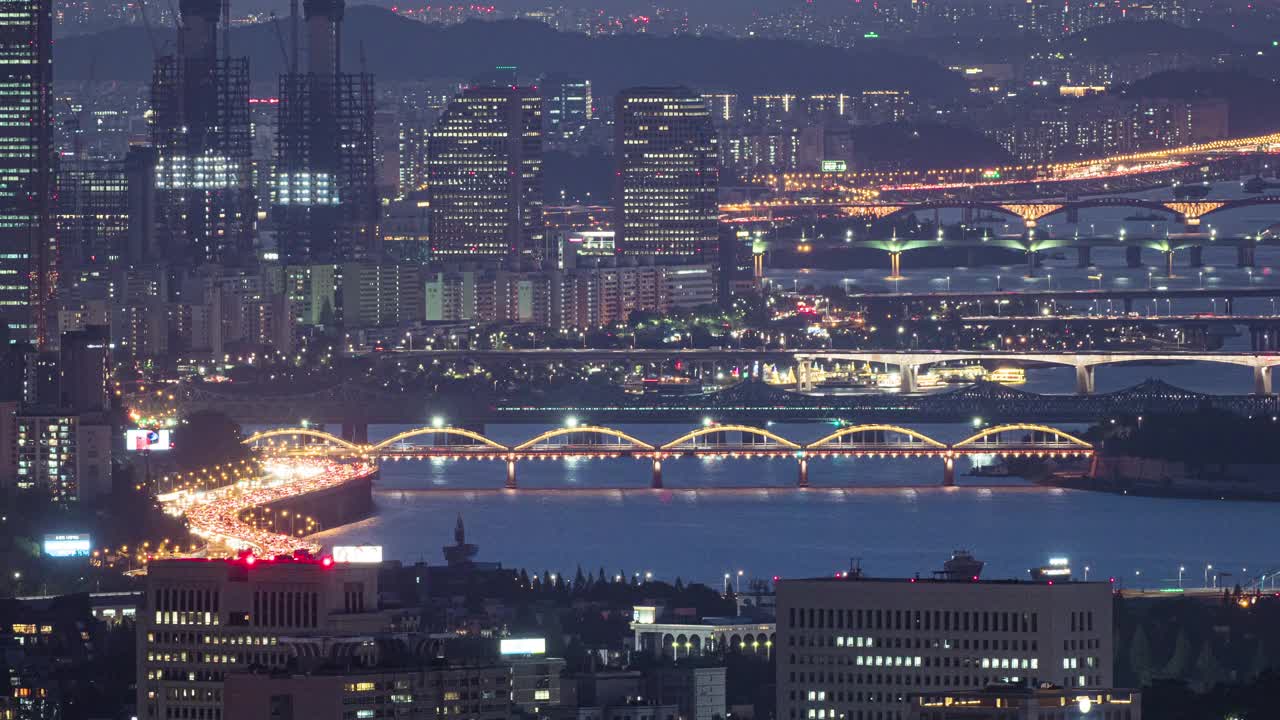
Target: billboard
[(834, 166), (523, 646), (67, 545), (357, 553), (138, 440)]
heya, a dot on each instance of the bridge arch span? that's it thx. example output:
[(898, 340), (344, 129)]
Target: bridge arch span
[(909, 209), (303, 432), (1065, 438), (448, 431), (913, 437), (635, 443), (1230, 205), (681, 442)]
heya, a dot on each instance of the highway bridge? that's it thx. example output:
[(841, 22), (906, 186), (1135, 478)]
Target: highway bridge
[(910, 362), (709, 440), (1131, 171)]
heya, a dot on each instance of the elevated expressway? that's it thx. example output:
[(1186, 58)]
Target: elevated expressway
[(1190, 214), (909, 361)]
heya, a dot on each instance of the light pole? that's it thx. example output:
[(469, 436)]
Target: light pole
[(726, 583), (948, 283), (1207, 568), (1181, 569), (738, 583), (1201, 279)]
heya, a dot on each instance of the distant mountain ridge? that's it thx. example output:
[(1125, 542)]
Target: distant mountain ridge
[(398, 49)]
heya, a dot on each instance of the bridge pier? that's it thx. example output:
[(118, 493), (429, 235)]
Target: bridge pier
[(355, 432), (1262, 381), (949, 471), (1197, 256), (1084, 379), (802, 480), (1031, 263), (1084, 256), (804, 380), (908, 383), (657, 473), (511, 474), (1133, 256), (1245, 256), (895, 266)]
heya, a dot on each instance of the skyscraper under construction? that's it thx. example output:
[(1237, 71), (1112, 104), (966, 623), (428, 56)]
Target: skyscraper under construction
[(206, 208), (324, 195)]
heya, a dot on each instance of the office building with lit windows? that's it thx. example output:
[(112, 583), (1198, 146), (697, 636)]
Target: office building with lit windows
[(568, 106), (28, 243), (204, 620), (64, 456), (485, 176), (668, 174), (861, 649)]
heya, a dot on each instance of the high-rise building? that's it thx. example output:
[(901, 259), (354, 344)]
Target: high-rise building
[(203, 142), (668, 173), (85, 370), (568, 106), (92, 213), (485, 175), (324, 197), (28, 243), (860, 648)]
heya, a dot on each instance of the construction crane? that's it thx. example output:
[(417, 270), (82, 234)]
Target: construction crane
[(146, 23)]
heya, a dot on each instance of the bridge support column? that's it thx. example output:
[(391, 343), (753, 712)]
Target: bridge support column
[(1262, 381), (511, 474), (657, 473), (1197, 256), (1031, 263), (1133, 256), (804, 380), (1084, 379), (909, 375), (802, 479), (1245, 256), (895, 266), (949, 471), (1084, 256)]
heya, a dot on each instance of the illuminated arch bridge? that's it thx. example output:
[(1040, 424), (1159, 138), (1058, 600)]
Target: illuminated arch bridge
[(710, 440)]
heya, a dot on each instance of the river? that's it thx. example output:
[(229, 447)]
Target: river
[(788, 532), (682, 532)]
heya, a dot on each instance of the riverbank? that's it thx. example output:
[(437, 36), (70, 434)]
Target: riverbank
[(1153, 477)]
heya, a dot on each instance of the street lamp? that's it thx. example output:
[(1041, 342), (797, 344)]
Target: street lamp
[(1181, 569), (738, 583), (1207, 568)]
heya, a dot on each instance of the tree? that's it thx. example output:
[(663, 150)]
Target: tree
[(206, 438), (1177, 666), (1260, 663), (1140, 657), (1208, 671)]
